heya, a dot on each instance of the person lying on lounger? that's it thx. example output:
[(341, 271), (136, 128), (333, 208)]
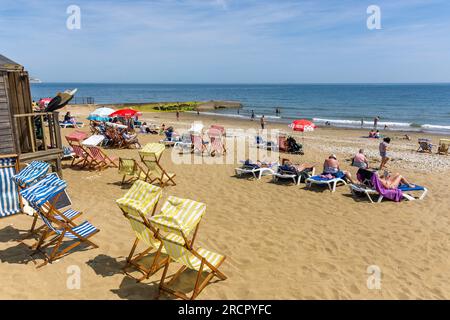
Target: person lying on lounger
[(331, 167), (392, 181), (297, 167)]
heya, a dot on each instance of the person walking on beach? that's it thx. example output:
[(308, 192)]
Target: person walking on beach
[(263, 122), (375, 122), (253, 115), (178, 115), (384, 152), (362, 123)]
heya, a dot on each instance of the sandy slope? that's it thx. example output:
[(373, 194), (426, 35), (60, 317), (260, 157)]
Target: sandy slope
[(282, 241)]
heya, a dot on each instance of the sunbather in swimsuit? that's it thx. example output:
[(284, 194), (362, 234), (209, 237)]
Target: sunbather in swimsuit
[(392, 181), (331, 167)]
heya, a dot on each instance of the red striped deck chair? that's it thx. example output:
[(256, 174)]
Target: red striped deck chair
[(215, 138), (100, 160)]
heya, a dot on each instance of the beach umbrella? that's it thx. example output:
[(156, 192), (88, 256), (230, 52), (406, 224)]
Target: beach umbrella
[(125, 113), (302, 125), (101, 114), (61, 100)]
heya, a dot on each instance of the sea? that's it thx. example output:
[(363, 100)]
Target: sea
[(404, 107)]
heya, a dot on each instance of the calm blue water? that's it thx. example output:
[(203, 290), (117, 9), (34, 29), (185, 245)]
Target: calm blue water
[(409, 106)]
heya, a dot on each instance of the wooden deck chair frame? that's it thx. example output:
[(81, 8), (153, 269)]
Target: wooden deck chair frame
[(83, 156), (196, 141), (136, 168), (67, 225), (199, 283), (164, 174), (133, 259), (443, 146)]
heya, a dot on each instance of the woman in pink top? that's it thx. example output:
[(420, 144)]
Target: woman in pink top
[(360, 160)]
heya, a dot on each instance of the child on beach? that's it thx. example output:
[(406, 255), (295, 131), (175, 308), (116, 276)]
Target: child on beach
[(383, 147)]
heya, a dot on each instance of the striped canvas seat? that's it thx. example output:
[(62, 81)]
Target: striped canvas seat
[(175, 249), (69, 214), (9, 196), (140, 199), (179, 216), (31, 173), (130, 167), (40, 197)]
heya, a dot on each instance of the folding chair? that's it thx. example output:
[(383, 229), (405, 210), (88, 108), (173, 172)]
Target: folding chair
[(10, 202), (151, 156), (443, 146), (199, 144), (137, 204), (173, 227), (81, 157), (57, 225), (425, 145), (130, 167), (216, 143), (33, 172), (61, 201), (101, 160)]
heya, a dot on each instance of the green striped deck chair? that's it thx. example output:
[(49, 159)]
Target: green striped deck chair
[(137, 204), (131, 168), (179, 218)]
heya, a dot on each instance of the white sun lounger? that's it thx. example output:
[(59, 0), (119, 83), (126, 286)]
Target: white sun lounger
[(257, 172), (330, 183), (288, 175)]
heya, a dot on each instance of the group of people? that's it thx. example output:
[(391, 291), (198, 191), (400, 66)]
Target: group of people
[(375, 134)]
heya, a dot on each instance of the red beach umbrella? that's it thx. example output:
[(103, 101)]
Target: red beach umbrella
[(125, 113), (302, 125)]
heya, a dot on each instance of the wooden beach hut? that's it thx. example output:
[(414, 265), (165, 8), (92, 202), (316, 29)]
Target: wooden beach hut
[(31, 135)]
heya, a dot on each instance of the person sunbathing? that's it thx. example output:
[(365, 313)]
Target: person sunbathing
[(297, 167), (130, 138), (331, 167), (392, 181)]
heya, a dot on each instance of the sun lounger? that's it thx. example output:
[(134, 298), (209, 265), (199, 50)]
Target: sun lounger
[(32, 173), (179, 219), (9, 193), (63, 124), (57, 226), (321, 180), (425, 145), (137, 205), (371, 186), (185, 143), (254, 169), (290, 173)]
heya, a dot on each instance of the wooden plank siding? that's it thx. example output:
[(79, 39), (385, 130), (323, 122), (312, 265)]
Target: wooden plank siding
[(7, 144)]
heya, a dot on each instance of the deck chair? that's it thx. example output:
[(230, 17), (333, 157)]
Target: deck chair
[(216, 143), (81, 157), (101, 160), (179, 218), (257, 171), (366, 187), (137, 204), (425, 145), (320, 180), (199, 145), (10, 203), (282, 143), (32, 173), (151, 157), (443, 146), (61, 201), (285, 172), (130, 167), (219, 128), (57, 226)]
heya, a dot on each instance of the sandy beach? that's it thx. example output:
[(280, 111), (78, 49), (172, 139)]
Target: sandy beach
[(282, 241)]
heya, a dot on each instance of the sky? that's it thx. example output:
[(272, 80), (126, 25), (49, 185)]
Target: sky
[(229, 41)]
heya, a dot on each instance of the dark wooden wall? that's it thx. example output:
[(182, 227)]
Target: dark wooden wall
[(7, 144)]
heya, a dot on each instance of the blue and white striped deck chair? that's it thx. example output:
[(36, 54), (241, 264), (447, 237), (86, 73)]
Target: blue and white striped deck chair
[(32, 173), (9, 196), (51, 180), (39, 197)]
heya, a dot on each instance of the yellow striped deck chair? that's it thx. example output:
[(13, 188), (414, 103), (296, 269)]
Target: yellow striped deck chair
[(131, 168), (151, 156), (180, 218), (137, 204)]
